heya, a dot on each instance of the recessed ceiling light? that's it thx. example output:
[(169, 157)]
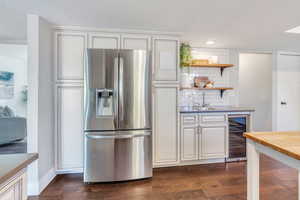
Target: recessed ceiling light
[(294, 30), (210, 42)]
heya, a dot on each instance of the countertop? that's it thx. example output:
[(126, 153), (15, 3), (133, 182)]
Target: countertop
[(196, 109), (11, 164), (287, 142)]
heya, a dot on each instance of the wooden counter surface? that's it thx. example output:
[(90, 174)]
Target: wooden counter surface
[(287, 142), (11, 164)]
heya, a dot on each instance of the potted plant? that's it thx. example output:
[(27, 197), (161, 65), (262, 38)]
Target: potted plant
[(185, 54)]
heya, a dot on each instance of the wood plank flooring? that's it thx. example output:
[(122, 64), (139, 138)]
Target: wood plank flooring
[(201, 182)]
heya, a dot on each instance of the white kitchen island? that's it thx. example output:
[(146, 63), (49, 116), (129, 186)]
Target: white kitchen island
[(13, 175), (281, 146)]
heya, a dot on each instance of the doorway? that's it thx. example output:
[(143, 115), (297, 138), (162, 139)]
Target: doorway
[(288, 92), (255, 87), (13, 98)]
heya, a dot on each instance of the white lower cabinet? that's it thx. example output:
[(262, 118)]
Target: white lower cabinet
[(189, 143), (69, 127), (14, 189), (203, 137), (213, 142), (165, 125)]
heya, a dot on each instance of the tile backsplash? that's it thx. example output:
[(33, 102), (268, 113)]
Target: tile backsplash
[(191, 97)]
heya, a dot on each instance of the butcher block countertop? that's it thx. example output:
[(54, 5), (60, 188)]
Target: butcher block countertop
[(285, 142), (11, 164)]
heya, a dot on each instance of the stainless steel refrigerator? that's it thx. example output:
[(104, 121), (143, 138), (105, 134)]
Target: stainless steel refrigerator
[(117, 115)]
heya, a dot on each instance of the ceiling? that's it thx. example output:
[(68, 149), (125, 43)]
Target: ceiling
[(250, 24)]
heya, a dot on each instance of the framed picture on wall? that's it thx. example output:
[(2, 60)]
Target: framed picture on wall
[(7, 83)]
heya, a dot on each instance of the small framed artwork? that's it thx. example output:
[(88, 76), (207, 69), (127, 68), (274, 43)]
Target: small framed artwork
[(7, 83)]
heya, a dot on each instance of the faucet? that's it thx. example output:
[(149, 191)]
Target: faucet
[(203, 100)]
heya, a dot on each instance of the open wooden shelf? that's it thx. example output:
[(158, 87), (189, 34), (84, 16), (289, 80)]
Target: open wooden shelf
[(214, 88), (211, 65), (221, 89), (221, 66)]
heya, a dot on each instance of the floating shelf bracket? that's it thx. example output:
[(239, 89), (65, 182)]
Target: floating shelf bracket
[(221, 91), (221, 70)]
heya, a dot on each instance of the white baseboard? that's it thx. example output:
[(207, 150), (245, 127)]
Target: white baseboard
[(195, 162), (69, 171), (32, 189), (33, 179), (46, 179)]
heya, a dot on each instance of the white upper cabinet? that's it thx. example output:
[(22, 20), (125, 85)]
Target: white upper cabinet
[(165, 117), (165, 59), (70, 127), (104, 40), (133, 41), (69, 55)]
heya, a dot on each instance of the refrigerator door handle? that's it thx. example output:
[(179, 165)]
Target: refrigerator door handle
[(100, 136), (117, 136), (121, 92), (116, 88), (132, 135)]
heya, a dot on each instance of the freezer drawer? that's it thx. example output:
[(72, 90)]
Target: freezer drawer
[(117, 156)]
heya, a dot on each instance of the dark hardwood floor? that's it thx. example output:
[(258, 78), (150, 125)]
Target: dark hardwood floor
[(201, 182)]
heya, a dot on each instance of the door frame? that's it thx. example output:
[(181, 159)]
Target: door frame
[(275, 85)]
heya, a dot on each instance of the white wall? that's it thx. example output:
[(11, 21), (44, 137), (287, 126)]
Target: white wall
[(255, 87), (46, 101), (13, 58), (40, 103)]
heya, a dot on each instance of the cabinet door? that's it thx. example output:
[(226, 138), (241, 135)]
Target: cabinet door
[(165, 59), (15, 189), (70, 127), (131, 41), (8, 194), (165, 127), (104, 41), (213, 142), (189, 143), (69, 55)]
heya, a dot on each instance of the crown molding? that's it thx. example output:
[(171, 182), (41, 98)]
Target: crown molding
[(110, 30)]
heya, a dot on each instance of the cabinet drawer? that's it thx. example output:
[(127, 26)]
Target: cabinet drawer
[(189, 120), (206, 119)]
